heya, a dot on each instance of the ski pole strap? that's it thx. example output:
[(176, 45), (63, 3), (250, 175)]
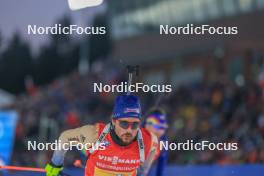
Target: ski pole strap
[(141, 147), (101, 138)]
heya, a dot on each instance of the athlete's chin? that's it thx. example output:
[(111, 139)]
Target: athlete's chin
[(127, 140)]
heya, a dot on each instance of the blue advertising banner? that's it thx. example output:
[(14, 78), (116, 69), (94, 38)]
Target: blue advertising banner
[(174, 170), (215, 170), (8, 120)]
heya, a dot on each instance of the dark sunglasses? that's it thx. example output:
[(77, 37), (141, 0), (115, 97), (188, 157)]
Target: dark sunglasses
[(125, 125)]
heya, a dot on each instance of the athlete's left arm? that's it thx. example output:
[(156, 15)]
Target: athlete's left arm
[(152, 154)]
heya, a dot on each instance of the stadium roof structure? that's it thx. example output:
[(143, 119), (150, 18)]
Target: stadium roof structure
[(137, 17)]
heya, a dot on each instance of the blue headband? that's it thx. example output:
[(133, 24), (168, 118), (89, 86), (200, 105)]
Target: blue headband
[(127, 106)]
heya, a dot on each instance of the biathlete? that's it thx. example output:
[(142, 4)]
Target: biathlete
[(156, 123), (129, 150)]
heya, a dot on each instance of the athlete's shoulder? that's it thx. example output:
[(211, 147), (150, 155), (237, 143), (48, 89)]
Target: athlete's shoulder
[(100, 126), (85, 134), (148, 137), (89, 127), (145, 133)]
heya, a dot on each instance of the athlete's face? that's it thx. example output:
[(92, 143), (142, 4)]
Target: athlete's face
[(126, 129)]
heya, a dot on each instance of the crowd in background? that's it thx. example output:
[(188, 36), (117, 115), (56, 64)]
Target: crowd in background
[(215, 111), (218, 113)]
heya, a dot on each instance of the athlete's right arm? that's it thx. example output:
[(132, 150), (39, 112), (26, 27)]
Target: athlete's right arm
[(86, 135)]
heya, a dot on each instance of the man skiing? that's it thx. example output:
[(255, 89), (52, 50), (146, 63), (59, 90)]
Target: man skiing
[(129, 149), (156, 123)]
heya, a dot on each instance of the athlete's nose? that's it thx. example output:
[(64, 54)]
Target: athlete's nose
[(129, 129)]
